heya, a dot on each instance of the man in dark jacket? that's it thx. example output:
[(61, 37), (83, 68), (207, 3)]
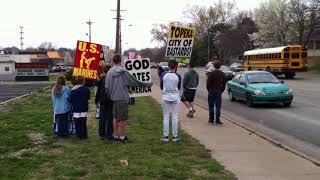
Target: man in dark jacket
[(106, 117), (216, 84), (190, 83)]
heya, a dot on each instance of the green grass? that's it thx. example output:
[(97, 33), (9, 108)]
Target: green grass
[(94, 158), (315, 69)]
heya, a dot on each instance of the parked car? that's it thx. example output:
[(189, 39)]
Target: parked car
[(153, 65), (227, 72), (236, 67), (58, 69), (182, 65), (164, 66), (259, 87)]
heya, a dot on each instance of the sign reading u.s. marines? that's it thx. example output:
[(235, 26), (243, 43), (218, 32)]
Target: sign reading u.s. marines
[(87, 59)]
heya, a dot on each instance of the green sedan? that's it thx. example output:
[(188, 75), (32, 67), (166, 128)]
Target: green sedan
[(259, 87)]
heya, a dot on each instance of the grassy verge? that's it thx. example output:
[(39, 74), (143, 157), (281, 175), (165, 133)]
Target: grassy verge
[(315, 70), (28, 148)]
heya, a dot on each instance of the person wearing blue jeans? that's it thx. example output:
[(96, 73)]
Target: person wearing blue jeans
[(60, 95), (214, 101), (216, 84)]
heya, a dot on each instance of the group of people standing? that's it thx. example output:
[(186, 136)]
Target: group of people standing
[(112, 95), (170, 84)]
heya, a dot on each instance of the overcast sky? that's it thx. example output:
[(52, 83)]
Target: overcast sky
[(63, 21)]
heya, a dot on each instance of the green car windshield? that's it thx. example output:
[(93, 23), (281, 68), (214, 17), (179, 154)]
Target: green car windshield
[(262, 78)]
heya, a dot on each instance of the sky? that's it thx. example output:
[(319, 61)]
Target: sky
[(62, 22)]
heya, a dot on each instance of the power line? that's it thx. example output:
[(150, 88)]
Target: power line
[(21, 37)]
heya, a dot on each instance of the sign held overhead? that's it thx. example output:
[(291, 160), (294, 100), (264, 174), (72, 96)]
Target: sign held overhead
[(180, 43), (87, 59)]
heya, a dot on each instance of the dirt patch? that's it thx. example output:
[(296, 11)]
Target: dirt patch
[(54, 151), (45, 170), (4, 108), (202, 173), (37, 138)]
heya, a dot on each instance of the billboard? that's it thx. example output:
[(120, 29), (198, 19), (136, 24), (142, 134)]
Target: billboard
[(32, 71)]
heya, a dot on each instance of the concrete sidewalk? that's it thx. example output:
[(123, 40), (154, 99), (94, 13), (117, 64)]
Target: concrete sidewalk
[(245, 154)]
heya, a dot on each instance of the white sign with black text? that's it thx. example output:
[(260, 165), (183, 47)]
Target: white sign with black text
[(140, 69)]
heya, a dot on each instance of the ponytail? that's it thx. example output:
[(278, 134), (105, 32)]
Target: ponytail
[(61, 81)]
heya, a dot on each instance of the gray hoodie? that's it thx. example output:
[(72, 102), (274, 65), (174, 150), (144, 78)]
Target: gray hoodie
[(117, 82)]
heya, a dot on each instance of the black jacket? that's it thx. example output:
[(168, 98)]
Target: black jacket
[(101, 95), (216, 82), (79, 99)]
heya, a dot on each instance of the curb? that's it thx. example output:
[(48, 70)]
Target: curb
[(287, 148), (19, 97)]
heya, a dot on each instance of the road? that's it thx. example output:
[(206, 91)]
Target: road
[(12, 90), (297, 127)]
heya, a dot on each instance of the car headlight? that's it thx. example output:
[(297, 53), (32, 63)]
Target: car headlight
[(258, 92), (289, 91)]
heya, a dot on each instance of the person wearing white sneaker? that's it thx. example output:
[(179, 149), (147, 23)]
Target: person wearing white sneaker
[(170, 84), (190, 83)]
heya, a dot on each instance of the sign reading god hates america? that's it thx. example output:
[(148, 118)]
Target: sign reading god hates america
[(180, 43), (87, 59), (140, 69)]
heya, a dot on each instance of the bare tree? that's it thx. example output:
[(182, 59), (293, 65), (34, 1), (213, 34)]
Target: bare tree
[(272, 19), (159, 33), (47, 46), (314, 18)]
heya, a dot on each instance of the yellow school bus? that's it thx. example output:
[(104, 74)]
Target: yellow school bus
[(279, 60)]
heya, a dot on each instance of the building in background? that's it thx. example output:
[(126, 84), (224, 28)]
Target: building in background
[(7, 65), (314, 49)]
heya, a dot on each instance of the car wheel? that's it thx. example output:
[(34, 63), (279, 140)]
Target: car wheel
[(231, 97), (249, 101), (290, 75), (288, 104)]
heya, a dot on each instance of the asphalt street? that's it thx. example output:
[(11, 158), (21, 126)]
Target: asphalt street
[(10, 90), (297, 127)]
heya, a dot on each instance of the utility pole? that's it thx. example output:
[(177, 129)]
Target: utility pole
[(118, 28), (89, 23), (118, 49), (21, 37)]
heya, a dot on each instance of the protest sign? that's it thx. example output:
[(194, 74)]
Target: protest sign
[(180, 43), (131, 55), (87, 59), (140, 69)]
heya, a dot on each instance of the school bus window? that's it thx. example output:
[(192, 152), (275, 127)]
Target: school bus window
[(286, 55), (279, 55), (295, 55)]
